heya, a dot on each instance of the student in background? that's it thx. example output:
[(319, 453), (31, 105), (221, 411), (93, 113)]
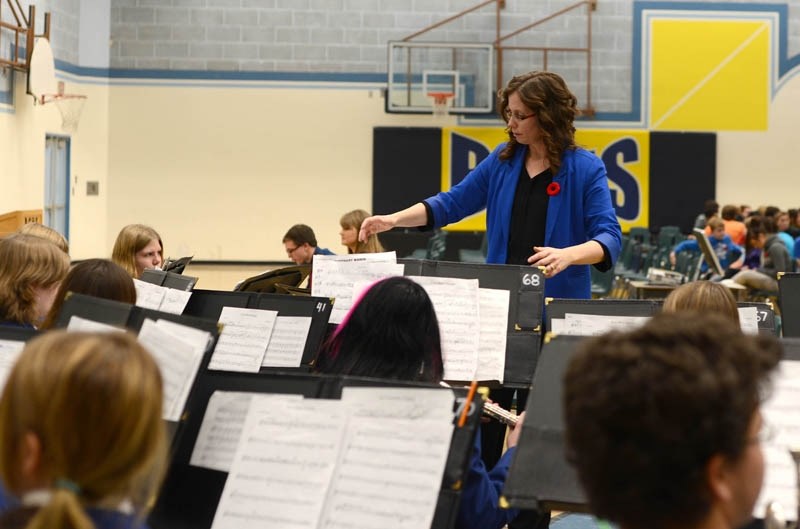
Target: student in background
[(392, 332), (301, 244), (782, 225), (40, 230), (727, 252), (710, 210), (74, 456), (137, 248), (100, 278), (351, 226), (31, 269), (689, 454), (704, 297), (733, 227), (775, 258)]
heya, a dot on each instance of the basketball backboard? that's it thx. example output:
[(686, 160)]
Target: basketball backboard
[(419, 69), (42, 72)]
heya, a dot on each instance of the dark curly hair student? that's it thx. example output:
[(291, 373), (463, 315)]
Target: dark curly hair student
[(662, 423), (391, 332)]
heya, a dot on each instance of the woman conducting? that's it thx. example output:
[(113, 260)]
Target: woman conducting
[(547, 200)]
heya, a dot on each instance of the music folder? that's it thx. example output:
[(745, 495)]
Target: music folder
[(789, 302), (192, 492), (525, 285), (169, 279), (540, 476)]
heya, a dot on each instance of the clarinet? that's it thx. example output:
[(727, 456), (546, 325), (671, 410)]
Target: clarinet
[(496, 412)]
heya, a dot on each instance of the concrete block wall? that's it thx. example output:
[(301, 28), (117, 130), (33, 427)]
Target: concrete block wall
[(350, 36)]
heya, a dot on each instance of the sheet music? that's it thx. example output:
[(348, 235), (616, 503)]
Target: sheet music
[(390, 469), (243, 341), (288, 341), (748, 319), (9, 352), (148, 295), (335, 277), (493, 334), (199, 340), (593, 324), (283, 464), (221, 429), (780, 414), (456, 304), (175, 300), (78, 324), (178, 362)]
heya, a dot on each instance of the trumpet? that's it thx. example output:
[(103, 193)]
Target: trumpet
[(775, 517), (496, 412)]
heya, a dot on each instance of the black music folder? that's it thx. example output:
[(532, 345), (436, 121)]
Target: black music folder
[(526, 287), (177, 266), (168, 279), (17, 334), (191, 493), (209, 304), (789, 302), (539, 476)]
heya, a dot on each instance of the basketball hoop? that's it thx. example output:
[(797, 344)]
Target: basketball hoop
[(69, 105), (441, 102)]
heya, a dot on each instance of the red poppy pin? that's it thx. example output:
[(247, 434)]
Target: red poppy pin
[(553, 189)]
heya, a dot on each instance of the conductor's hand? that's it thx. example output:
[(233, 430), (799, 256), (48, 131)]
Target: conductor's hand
[(376, 224), (554, 260), (513, 436)]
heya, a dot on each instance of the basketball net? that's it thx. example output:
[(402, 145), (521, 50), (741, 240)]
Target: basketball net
[(69, 105), (441, 103)]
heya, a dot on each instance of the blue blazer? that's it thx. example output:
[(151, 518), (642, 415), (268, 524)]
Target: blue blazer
[(580, 212)]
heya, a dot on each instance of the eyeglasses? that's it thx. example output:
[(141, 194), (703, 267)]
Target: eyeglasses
[(516, 115), (290, 251)]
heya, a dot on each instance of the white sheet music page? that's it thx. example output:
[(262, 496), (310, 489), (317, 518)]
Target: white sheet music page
[(390, 470), (457, 309), (9, 352), (593, 324), (199, 340), (335, 277), (283, 464), (748, 319), (244, 338), (221, 429), (149, 295), (78, 324), (178, 362), (288, 341), (175, 300), (779, 413), (493, 334)]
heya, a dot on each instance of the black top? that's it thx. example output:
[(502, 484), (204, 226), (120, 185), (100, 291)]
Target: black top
[(528, 216)]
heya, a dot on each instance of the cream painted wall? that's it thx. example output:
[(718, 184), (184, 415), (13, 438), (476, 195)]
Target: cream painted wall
[(762, 168), (22, 144), (222, 173)]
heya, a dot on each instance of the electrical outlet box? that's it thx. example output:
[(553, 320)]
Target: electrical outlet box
[(92, 188)]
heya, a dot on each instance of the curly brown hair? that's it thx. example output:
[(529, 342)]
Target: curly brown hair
[(555, 107), (646, 410)]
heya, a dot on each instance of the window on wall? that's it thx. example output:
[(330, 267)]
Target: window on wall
[(56, 184)]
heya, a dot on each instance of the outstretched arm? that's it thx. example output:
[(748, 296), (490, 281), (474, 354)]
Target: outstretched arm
[(411, 217)]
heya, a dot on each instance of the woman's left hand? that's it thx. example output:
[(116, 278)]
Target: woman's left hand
[(554, 260)]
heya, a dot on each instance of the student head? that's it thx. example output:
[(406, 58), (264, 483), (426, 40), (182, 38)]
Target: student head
[(100, 278), (539, 106), (31, 269), (137, 248), (40, 230), (702, 297), (391, 332), (730, 212), (351, 225), (710, 208), (80, 416), (300, 243), (782, 221), (662, 423), (717, 228)]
